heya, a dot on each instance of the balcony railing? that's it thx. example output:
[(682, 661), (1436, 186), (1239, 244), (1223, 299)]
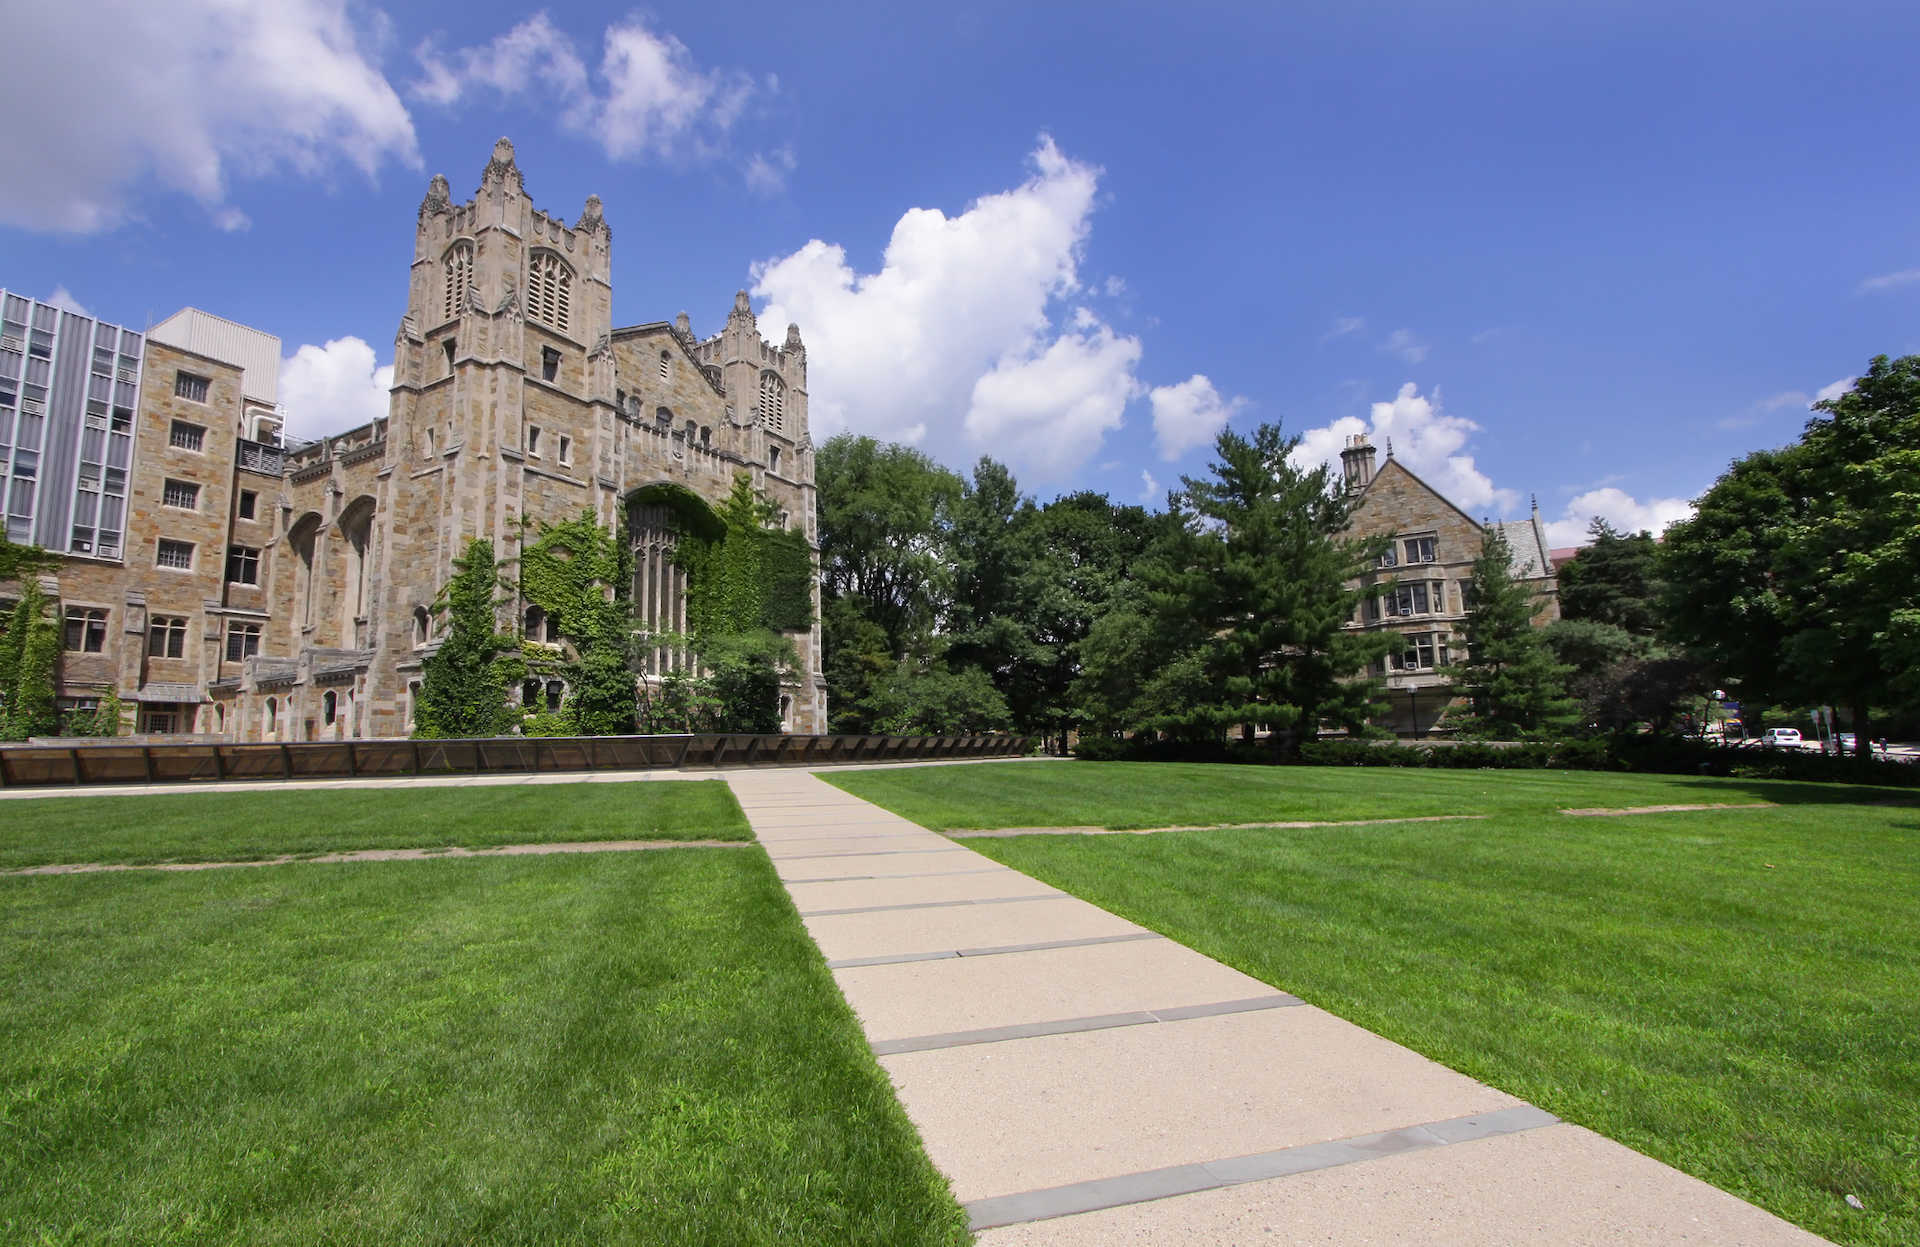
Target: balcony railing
[(262, 458)]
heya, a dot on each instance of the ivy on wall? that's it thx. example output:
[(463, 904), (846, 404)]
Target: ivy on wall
[(581, 575), (748, 581), (29, 653), (752, 575), (463, 685)]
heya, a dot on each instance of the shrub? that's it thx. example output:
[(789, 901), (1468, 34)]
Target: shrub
[(1667, 755)]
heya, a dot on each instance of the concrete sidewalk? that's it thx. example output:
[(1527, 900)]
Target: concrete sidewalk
[(1081, 1080)]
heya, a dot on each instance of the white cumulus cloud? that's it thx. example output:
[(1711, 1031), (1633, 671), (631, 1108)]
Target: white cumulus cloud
[(1047, 411), (1422, 436), (1189, 414), (1618, 508), (962, 335), (649, 98), (63, 299), (1834, 389), (328, 389), (1149, 489), (189, 95)]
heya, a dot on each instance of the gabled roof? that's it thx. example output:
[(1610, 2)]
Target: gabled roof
[(1413, 476), (1529, 556), (1525, 542)]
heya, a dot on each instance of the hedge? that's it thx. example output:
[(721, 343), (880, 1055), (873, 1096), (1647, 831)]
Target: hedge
[(1650, 754)]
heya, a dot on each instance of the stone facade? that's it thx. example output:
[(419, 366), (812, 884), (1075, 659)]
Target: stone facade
[(1423, 579), (516, 401)]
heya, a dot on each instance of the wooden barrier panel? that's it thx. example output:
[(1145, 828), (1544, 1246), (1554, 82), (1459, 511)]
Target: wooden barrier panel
[(33, 766)]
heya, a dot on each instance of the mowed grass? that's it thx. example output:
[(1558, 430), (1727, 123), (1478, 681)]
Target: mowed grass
[(240, 826), (1125, 795), (596, 1049), (1734, 992)]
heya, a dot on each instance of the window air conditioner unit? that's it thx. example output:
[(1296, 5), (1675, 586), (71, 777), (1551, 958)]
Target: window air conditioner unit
[(126, 374), (11, 344), (32, 406)]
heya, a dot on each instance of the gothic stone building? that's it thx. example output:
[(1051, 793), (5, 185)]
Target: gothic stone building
[(259, 594), (1429, 561)]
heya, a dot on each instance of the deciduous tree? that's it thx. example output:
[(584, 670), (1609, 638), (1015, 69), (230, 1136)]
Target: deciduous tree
[(1796, 574)]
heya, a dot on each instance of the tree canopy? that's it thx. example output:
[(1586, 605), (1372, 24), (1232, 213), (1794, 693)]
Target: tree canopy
[(1613, 580), (1796, 574), (1244, 607)]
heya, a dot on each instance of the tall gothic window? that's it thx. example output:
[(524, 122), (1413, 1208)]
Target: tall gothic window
[(459, 266), (773, 403), (659, 587), (550, 289)]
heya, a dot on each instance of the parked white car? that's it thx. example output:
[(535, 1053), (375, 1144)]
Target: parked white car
[(1782, 737)]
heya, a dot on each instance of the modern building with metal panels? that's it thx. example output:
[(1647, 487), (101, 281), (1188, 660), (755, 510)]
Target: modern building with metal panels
[(68, 390)]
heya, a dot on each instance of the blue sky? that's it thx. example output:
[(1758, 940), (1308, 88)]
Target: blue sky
[(1586, 252)]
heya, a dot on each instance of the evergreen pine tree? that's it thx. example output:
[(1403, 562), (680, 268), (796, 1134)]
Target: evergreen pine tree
[(1512, 684), (1254, 596)]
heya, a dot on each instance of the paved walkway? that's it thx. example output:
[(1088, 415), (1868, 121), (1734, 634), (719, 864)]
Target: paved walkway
[(1081, 1080)]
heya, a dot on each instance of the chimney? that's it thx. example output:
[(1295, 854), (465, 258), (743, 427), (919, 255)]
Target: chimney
[(1356, 462)]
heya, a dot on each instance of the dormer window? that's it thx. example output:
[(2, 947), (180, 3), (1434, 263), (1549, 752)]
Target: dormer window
[(550, 290), (459, 273)]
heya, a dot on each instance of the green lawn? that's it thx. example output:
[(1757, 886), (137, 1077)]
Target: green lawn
[(1134, 794), (237, 826), (617, 1048), (1734, 992)]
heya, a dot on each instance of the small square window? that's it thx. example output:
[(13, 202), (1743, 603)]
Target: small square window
[(86, 631), (243, 565), (248, 500), (188, 386), (184, 436), (167, 636), (182, 494), (243, 641), (175, 554)]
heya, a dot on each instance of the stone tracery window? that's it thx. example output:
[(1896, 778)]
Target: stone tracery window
[(550, 289), (459, 266), (773, 403)]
